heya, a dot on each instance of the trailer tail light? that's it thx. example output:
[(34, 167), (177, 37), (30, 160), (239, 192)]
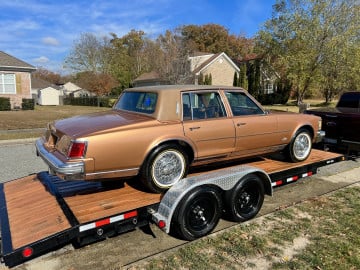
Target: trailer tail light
[(77, 149), (161, 224), (27, 252)]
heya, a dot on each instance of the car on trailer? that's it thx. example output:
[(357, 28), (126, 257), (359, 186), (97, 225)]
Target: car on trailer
[(42, 212), (158, 132)]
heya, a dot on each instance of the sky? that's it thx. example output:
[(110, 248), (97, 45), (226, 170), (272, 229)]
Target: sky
[(42, 33)]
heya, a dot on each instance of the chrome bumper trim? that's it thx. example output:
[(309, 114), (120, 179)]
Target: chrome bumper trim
[(56, 165), (319, 136)]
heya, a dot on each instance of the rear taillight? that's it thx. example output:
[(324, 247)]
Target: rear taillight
[(77, 149)]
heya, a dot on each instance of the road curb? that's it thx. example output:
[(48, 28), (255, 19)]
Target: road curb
[(17, 141)]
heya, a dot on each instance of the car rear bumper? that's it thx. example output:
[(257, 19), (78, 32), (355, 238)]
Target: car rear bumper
[(56, 165)]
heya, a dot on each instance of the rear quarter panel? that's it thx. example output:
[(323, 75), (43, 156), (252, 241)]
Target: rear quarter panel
[(127, 149), (290, 123)]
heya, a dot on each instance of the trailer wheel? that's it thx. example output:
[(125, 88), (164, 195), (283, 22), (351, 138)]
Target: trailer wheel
[(164, 167), (245, 199), (198, 213), (300, 146)]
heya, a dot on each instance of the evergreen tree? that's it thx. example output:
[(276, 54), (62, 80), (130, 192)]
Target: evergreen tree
[(235, 81)]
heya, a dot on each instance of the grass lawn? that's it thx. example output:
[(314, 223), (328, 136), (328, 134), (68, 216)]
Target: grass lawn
[(316, 234), (37, 119)]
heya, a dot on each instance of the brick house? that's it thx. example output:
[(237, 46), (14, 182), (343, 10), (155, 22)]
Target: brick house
[(15, 79)]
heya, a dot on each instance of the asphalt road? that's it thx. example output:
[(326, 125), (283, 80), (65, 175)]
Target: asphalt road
[(18, 160), (127, 250)]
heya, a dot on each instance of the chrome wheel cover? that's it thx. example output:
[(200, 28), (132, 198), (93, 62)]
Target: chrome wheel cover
[(168, 168), (302, 146)]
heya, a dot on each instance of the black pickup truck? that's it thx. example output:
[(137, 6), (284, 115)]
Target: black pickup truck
[(342, 123)]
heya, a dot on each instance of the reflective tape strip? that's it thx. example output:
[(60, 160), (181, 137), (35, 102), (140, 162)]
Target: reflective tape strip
[(107, 221), (277, 183), (307, 174), (291, 179), (294, 178)]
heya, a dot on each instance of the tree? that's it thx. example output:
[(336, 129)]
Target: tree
[(310, 43), (173, 64), (98, 83), (88, 54), (243, 82), (253, 75), (235, 80), (214, 38), (47, 75)]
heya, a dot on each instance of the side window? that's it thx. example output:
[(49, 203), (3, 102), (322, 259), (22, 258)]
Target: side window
[(241, 104), (202, 105)]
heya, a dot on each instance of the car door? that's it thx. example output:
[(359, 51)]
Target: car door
[(256, 131), (206, 124)]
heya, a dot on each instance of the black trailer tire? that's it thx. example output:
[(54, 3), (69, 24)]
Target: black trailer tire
[(164, 167), (198, 213), (245, 200), (300, 146)]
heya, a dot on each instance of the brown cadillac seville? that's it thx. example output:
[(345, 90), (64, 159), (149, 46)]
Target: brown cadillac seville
[(158, 132)]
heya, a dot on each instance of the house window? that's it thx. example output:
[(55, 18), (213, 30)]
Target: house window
[(269, 88), (7, 84)]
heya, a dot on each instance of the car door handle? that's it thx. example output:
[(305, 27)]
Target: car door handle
[(241, 124), (193, 128)]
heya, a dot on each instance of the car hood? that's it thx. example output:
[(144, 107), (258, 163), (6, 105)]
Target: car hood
[(84, 125)]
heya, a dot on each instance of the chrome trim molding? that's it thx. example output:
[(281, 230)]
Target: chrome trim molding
[(57, 165), (320, 134)]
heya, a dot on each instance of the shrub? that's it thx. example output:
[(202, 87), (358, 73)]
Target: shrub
[(28, 104), (89, 101), (5, 104)]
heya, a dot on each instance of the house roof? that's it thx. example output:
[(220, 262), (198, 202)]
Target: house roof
[(213, 59), (40, 83), (149, 76), (8, 62)]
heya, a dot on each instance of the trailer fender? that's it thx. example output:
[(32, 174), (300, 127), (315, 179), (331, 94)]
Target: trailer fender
[(225, 179)]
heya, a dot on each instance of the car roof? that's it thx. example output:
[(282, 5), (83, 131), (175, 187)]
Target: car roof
[(177, 88)]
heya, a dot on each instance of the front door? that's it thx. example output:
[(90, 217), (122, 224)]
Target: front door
[(256, 131)]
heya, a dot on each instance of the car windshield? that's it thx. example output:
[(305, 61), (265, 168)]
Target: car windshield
[(143, 102)]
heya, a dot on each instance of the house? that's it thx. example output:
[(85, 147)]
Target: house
[(70, 89), (219, 66), (82, 93), (15, 79), (149, 78)]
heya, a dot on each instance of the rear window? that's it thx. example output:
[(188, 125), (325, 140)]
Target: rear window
[(142, 102), (349, 100)]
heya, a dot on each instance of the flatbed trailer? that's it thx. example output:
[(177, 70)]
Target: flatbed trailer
[(41, 213)]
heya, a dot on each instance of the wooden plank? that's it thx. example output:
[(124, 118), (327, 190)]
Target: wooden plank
[(273, 165), (89, 207), (33, 213)]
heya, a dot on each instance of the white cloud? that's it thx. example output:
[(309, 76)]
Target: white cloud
[(41, 60), (50, 41)]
